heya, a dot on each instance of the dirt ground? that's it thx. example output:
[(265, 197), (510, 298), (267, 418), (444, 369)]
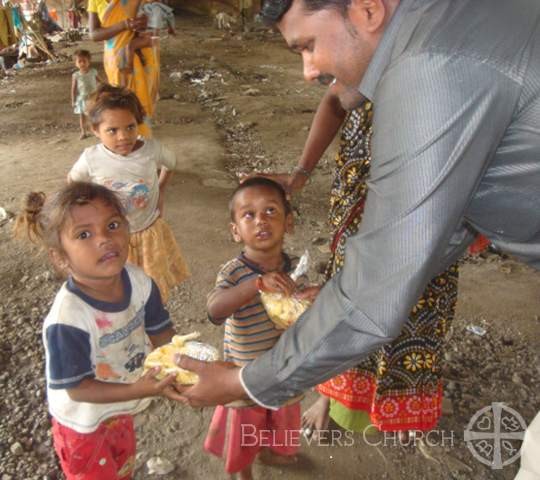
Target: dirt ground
[(232, 102)]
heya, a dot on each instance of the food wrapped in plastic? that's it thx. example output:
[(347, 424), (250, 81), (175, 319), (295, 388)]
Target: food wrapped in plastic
[(163, 357), (284, 310)]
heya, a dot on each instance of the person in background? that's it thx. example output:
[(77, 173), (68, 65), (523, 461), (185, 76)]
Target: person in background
[(116, 23), (83, 84)]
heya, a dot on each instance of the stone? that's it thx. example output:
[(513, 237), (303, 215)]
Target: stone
[(16, 449), (159, 466)]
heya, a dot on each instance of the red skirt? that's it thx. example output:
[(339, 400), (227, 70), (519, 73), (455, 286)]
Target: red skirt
[(239, 434)]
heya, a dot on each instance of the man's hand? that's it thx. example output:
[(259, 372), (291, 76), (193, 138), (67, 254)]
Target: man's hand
[(219, 382)]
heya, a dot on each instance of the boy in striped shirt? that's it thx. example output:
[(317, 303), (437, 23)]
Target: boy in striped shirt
[(260, 218)]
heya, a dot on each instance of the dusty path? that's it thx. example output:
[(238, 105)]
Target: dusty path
[(234, 102)]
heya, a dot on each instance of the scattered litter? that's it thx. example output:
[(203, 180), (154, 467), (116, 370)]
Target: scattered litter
[(480, 331), (159, 466), (252, 91), (5, 216)]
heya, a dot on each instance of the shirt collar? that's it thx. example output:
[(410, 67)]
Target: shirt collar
[(286, 265), (100, 304), (383, 52)]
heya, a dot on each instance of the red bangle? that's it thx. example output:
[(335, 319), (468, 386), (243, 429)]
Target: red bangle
[(259, 283)]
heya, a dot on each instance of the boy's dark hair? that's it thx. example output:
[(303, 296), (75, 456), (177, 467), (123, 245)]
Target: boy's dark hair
[(273, 10), (81, 53), (260, 182), (108, 97)]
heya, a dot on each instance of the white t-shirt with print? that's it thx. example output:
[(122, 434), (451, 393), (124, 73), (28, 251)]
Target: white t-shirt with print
[(88, 338), (133, 176)]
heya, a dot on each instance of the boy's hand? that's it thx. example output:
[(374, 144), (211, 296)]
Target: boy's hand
[(277, 282), (308, 293)]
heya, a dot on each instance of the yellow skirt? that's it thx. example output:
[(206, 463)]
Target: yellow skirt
[(156, 251)]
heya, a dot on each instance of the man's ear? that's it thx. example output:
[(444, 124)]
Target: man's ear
[(289, 223), (234, 231), (368, 15)]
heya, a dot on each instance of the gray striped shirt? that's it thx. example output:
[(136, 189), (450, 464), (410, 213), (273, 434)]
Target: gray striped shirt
[(455, 151)]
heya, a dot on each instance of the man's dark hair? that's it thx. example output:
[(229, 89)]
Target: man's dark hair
[(260, 182), (273, 10)]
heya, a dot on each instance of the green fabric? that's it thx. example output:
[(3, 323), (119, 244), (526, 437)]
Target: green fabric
[(355, 420)]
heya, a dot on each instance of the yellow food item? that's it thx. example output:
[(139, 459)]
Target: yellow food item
[(283, 310), (163, 357)]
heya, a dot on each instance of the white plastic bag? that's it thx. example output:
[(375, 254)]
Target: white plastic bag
[(284, 310), (163, 357)]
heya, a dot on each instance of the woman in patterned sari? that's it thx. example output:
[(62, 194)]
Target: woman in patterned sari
[(398, 387), (116, 22)]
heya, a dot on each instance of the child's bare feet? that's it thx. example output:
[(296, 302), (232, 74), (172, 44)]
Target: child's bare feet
[(316, 417), (268, 457)]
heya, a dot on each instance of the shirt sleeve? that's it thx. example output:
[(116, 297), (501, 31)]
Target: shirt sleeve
[(425, 169), (69, 356), (156, 317), (165, 157), (80, 171)]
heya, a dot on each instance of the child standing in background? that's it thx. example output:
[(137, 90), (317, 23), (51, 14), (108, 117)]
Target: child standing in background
[(261, 215), (83, 84), (104, 320), (128, 165)]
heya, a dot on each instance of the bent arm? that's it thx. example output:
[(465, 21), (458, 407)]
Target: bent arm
[(326, 122), (95, 391), (164, 177), (223, 302), (99, 33), (424, 172), (324, 127)]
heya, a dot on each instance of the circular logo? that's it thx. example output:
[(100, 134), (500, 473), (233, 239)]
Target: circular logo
[(494, 435)]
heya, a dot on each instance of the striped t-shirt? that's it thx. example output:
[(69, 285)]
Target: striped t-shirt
[(249, 332)]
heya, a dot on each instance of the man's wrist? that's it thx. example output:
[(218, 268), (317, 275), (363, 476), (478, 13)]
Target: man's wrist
[(247, 393)]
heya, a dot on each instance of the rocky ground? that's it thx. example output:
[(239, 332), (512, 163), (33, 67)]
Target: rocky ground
[(232, 102)]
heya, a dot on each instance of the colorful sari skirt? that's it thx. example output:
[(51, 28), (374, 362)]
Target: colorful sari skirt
[(399, 385), (157, 252)]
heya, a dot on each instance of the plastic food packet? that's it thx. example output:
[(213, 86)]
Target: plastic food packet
[(284, 310), (163, 357)]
